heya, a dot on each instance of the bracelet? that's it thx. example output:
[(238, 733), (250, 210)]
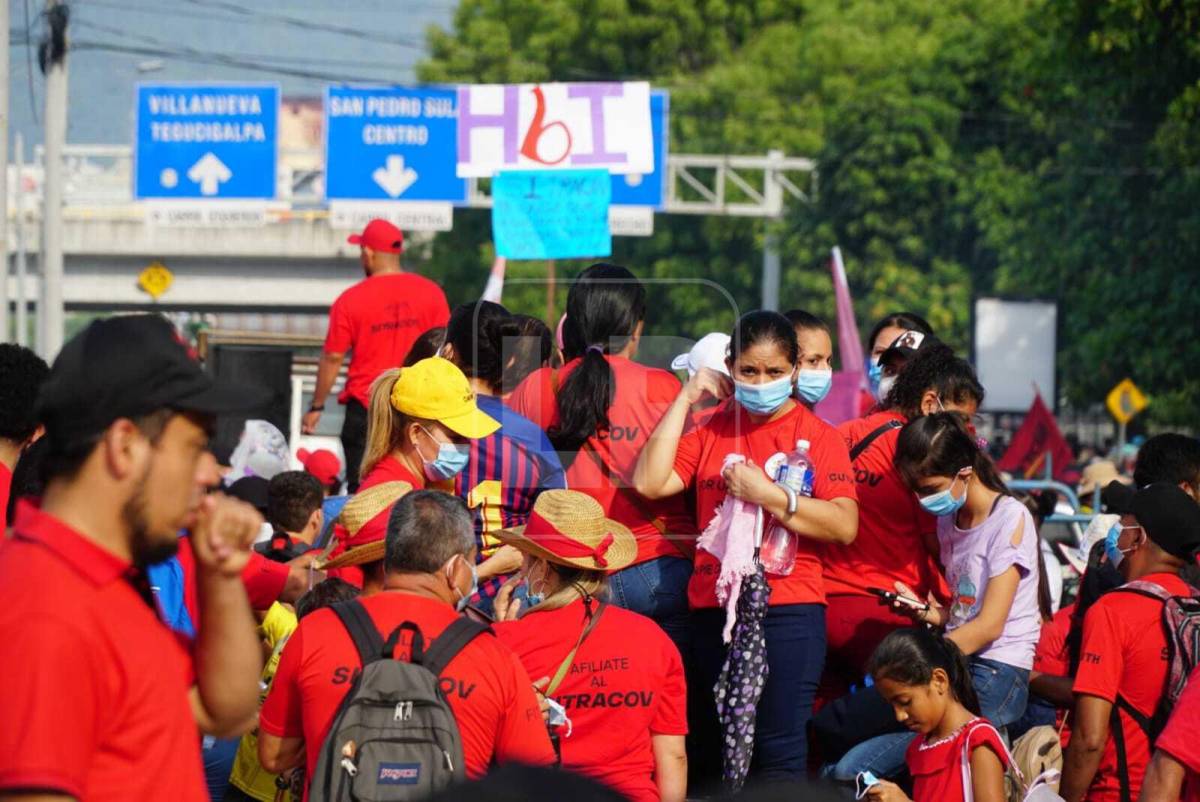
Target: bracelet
[(316, 408), (791, 496)]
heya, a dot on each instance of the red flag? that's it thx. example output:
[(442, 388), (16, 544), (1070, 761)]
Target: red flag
[(1038, 437)]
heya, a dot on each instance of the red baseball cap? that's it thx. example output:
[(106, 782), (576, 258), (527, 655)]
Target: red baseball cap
[(379, 235), (323, 464)]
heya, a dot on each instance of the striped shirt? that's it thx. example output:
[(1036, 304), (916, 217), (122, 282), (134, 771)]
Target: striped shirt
[(506, 472)]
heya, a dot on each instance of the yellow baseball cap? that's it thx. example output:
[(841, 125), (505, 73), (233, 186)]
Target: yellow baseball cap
[(435, 389)]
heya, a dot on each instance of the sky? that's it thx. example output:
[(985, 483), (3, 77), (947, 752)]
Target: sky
[(355, 41)]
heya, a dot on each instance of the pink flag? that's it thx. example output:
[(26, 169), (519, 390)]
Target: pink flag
[(495, 283), (842, 403)]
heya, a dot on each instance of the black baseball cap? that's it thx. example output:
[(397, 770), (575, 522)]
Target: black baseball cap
[(1118, 498), (127, 367), (906, 346), (1170, 517)]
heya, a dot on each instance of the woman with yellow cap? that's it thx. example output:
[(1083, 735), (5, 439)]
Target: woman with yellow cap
[(418, 423), (616, 677)]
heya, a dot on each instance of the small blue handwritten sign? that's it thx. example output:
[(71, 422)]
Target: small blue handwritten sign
[(551, 215)]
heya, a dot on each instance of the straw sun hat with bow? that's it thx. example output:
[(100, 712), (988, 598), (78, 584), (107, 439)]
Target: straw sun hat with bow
[(568, 528), (365, 519)]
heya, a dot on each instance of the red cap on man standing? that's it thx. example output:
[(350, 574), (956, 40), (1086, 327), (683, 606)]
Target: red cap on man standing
[(379, 235)]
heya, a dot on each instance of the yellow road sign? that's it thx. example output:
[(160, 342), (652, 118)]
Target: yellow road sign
[(156, 279), (1125, 401)]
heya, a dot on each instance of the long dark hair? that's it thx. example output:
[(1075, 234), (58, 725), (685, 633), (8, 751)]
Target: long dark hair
[(764, 326), (1098, 578), (476, 332), (940, 445), (934, 367), (909, 656), (604, 307), (532, 350), (909, 321)]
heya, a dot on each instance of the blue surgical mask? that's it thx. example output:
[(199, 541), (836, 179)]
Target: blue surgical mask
[(944, 503), (813, 385), (462, 603), (874, 374), (1112, 549), (763, 399), (450, 461)]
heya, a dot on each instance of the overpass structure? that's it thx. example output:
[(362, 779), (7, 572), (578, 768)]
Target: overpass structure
[(295, 258)]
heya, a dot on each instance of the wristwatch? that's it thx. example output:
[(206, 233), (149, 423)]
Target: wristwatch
[(316, 408)]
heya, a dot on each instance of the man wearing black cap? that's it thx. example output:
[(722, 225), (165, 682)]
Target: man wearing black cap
[(96, 701), (377, 320), (1124, 655)]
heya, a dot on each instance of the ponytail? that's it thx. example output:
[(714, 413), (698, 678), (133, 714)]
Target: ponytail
[(574, 583), (385, 425), (940, 445), (910, 656), (604, 307)]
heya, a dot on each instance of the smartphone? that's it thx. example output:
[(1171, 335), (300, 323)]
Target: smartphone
[(893, 597)]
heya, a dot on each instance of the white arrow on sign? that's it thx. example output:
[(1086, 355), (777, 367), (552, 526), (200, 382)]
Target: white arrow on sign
[(210, 172), (395, 177)]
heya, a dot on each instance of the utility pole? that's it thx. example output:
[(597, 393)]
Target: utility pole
[(4, 295), (22, 264), (53, 60), (773, 200)]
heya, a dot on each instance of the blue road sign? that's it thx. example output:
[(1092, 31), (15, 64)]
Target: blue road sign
[(648, 190), (391, 143), (206, 141)]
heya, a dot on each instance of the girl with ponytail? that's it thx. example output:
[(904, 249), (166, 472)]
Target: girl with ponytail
[(599, 410), (926, 679)]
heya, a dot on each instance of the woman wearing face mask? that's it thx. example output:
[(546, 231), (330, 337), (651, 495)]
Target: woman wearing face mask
[(815, 378), (896, 539), (507, 469), (883, 335), (419, 423), (763, 419), (616, 674), (598, 410)]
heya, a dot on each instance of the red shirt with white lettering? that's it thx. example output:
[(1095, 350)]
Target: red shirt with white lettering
[(1124, 653), (489, 692), (624, 685), (1179, 738), (892, 527), (96, 687), (936, 766), (698, 463), (378, 319), (641, 397)]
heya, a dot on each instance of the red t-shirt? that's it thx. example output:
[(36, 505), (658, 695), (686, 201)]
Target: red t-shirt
[(390, 469), (1051, 657), (5, 489), (890, 546), (1125, 652), (624, 685), (378, 319), (936, 767), (642, 396), (95, 703), (489, 692), (698, 462), (263, 579), (1179, 738)]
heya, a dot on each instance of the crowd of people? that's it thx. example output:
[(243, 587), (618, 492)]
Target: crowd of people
[(540, 551)]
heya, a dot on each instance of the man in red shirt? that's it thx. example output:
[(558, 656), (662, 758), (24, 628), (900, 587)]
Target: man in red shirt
[(97, 703), (1123, 662), (377, 320), (1176, 761), (430, 559)]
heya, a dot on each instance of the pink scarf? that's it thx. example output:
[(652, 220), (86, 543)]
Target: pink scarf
[(730, 537)]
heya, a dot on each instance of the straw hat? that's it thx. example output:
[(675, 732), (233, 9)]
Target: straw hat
[(1099, 474), (568, 528), (365, 519)]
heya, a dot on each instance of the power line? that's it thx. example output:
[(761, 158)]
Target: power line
[(308, 25)]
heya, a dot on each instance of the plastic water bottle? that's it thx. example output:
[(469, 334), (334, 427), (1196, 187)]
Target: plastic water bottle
[(778, 552)]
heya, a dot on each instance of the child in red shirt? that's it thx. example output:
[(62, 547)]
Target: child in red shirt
[(926, 679)]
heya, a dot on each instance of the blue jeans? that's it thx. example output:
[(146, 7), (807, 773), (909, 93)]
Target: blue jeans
[(219, 754), (1003, 691), (658, 590), (795, 656)]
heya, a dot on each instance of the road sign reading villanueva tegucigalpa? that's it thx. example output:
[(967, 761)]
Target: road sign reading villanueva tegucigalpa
[(212, 142)]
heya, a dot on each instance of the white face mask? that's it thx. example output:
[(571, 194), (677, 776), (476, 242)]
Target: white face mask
[(885, 386)]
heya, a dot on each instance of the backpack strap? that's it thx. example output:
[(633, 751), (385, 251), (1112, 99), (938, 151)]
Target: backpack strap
[(1118, 734), (561, 674), (865, 443), (965, 759), (452, 641), (362, 630)]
